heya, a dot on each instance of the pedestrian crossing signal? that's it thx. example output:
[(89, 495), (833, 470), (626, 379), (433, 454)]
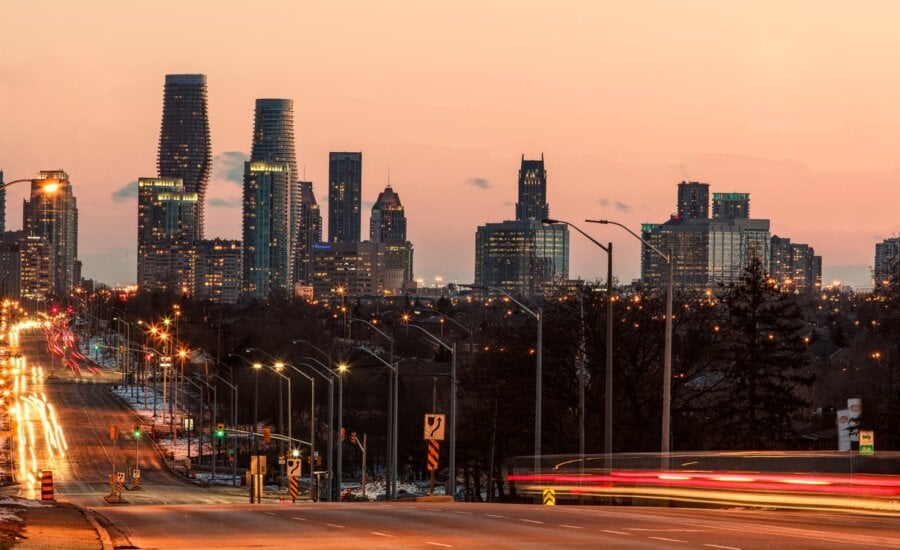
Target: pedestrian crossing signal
[(267, 436), (343, 434)]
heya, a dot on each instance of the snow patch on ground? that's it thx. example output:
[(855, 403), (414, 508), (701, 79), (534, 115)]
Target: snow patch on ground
[(24, 502), (7, 515)]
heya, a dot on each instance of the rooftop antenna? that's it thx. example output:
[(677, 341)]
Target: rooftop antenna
[(389, 176)]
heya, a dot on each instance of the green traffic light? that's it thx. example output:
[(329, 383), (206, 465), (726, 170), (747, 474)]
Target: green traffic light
[(220, 433)]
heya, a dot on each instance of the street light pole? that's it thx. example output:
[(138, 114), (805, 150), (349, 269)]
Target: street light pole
[(667, 359), (394, 369), (451, 481), (608, 405), (539, 317)]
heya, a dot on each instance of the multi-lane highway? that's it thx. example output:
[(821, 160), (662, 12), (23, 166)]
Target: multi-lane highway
[(170, 512), (460, 525)]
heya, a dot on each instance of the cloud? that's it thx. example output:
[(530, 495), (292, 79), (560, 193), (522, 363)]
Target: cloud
[(618, 205), (126, 192), (225, 203), (480, 183), (229, 166)]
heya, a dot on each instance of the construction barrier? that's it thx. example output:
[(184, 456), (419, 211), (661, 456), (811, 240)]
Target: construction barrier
[(294, 486), (46, 485)]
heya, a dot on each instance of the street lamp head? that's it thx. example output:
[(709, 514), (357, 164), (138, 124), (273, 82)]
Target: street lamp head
[(257, 366), (343, 367), (279, 365), (598, 221), (50, 187), (550, 221)]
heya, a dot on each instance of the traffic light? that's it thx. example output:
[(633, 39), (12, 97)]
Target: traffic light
[(267, 436), (220, 431), (353, 438), (137, 432)]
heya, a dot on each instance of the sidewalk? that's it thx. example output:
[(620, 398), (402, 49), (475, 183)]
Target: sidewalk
[(34, 524)]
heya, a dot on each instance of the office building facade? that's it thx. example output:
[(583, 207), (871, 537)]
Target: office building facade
[(532, 203), (523, 256), (167, 213), (731, 206), (344, 197), (268, 254), (887, 262), (706, 252), (51, 213)]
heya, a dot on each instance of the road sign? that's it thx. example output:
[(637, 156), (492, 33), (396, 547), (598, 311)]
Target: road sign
[(294, 467), (434, 426), (549, 497), (188, 422), (136, 474), (866, 442), (434, 453), (294, 486)]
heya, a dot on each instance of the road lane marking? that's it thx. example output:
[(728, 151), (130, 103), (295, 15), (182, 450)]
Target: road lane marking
[(530, 520), (461, 512), (381, 534), (335, 525), (570, 526), (439, 544), (270, 513), (615, 532), (433, 509), (497, 516), (722, 547), (299, 519), (666, 540)]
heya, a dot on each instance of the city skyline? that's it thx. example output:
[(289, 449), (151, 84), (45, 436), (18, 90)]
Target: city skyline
[(804, 120)]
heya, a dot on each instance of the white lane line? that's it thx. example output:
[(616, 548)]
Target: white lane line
[(438, 544), (270, 513), (497, 516), (666, 540), (433, 510), (615, 532), (381, 534), (722, 547), (530, 520), (299, 519), (461, 512), (570, 526), (335, 525)]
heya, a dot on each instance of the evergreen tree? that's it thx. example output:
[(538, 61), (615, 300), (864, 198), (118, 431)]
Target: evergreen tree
[(764, 363)]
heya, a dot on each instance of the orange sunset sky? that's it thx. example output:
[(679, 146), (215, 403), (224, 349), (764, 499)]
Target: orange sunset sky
[(797, 103)]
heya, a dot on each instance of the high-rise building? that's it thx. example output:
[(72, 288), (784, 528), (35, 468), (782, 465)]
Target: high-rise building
[(523, 256), (728, 206), (794, 265), (52, 214), (184, 143), (387, 223), (344, 197), (2, 204), (887, 262), (693, 200), (532, 203), (267, 229), (706, 251), (218, 271), (167, 212), (387, 226), (309, 234), (10, 270), (37, 267)]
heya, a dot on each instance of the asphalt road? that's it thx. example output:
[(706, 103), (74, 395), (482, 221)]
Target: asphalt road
[(86, 408), (462, 525), (170, 512)]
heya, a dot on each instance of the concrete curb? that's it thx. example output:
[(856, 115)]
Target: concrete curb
[(105, 539)]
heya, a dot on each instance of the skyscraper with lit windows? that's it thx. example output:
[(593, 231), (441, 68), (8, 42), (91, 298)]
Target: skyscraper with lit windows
[(344, 197), (51, 213), (184, 144)]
